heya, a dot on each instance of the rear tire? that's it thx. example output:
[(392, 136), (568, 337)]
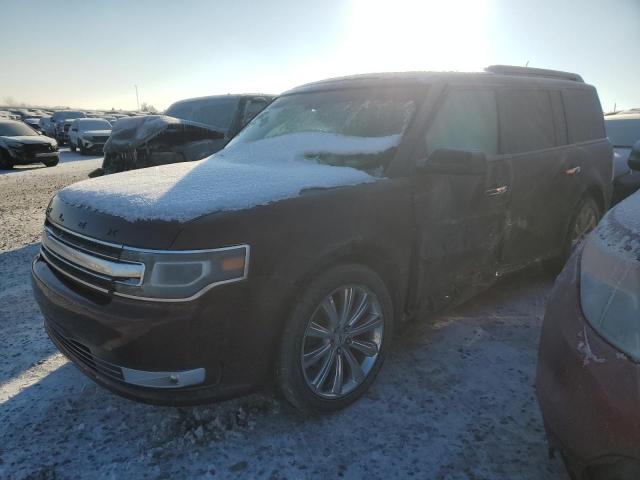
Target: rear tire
[(585, 218), (326, 362)]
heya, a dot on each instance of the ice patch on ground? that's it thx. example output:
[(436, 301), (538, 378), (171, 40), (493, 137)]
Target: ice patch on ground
[(240, 176)]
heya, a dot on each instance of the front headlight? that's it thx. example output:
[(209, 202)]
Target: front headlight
[(610, 285), (182, 275)]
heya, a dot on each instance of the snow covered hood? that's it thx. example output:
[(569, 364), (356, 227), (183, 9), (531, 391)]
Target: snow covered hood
[(619, 230), (131, 132), (239, 177)]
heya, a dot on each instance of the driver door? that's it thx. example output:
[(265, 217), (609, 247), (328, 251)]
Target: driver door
[(460, 218)]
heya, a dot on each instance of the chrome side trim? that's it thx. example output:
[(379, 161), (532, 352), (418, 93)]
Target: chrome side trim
[(92, 263), (181, 379)]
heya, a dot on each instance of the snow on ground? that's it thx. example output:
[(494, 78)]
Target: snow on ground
[(26, 190), (241, 176), (455, 399)]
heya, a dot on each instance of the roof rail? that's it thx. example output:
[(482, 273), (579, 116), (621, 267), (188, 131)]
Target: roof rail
[(533, 72)]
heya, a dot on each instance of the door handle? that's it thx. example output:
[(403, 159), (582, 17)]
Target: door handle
[(573, 171), (494, 192)]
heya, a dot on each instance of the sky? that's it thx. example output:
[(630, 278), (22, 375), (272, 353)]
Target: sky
[(88, 54)]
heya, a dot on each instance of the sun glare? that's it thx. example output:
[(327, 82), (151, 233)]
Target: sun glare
[(418, 35)]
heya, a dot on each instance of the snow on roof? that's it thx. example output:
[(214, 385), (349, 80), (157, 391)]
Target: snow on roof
[(238, 177)]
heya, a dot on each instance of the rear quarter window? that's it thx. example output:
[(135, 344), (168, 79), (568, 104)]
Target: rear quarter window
[(584, 115)]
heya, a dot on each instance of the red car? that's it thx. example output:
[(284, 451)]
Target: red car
[(588, 379)]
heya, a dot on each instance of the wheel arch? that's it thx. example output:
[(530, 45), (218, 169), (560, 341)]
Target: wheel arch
[(364, 254), (597, 194)]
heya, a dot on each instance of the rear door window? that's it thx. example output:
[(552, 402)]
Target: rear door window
[(526, 117), (584, 115), (466, 120)]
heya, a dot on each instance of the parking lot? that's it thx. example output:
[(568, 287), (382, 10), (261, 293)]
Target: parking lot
[(454, 400)]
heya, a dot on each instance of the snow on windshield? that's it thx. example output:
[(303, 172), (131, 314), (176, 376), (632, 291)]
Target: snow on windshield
[(239, 177)]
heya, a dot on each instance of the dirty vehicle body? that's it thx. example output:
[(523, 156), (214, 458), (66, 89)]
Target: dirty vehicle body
[(588, 367), (623, 130), (191, 129), (88, 134), (22, 145), (60, 120), (343, 209)]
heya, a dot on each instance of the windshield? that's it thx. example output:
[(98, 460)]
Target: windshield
[(16, 130), (359, 129), (623, 133), (94, 125), (217, 113)]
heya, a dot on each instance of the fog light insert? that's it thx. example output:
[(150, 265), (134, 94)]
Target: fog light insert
[(164, 379)]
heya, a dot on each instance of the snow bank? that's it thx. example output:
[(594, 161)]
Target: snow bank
[(240, 176)]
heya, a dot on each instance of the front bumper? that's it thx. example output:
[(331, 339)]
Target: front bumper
[(161, 353), (22, 157), (588, 391)]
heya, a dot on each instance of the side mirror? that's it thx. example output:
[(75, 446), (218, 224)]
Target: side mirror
[(634, 157), (448, 161)]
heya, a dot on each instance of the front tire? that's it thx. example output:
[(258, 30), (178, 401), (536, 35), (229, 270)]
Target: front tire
[(51, 163), (335, 340), (5, 161), (83, 150)]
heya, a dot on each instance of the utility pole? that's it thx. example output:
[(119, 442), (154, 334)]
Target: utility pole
[(137, 99)]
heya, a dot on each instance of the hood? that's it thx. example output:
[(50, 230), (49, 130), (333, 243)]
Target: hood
[(620, 159), (132, 132), (619, 230), (239, 177), (101, 133), (30, 139)]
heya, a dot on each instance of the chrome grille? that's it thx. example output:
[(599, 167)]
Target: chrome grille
[(89, 262)]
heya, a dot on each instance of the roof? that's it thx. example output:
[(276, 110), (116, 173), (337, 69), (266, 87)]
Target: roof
[(504, 73), (229, 95)]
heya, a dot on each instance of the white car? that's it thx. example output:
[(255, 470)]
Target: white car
[(46, 127), (88, 134)]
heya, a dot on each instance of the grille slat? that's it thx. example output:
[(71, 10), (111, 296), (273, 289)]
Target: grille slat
[(91, 263), (82, 354)]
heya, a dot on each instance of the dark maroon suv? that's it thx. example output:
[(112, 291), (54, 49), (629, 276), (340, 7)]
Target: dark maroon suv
[(342, 210)]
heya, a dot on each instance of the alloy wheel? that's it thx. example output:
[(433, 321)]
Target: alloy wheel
[(586, 221), (342, 341)]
